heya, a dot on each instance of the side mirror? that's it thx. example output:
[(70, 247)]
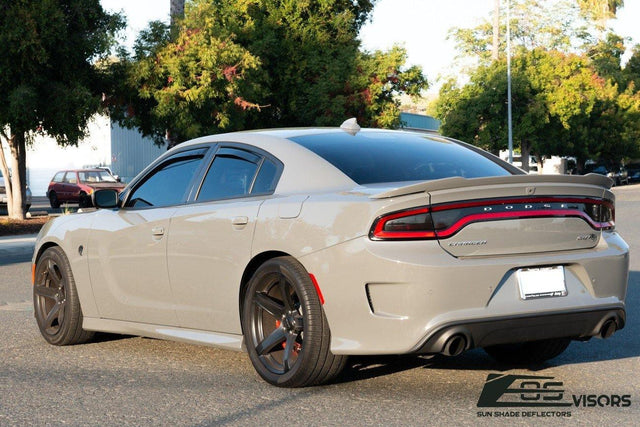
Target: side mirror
[(117, 177), (106, 199)]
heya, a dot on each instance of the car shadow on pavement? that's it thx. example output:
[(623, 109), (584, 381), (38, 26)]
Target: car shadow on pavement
[(622, 345)]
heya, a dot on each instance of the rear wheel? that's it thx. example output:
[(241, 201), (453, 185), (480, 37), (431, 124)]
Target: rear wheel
[(53, 200), (286, 332), (55, 300), (528, 352)]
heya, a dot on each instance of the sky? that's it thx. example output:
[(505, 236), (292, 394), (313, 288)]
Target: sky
[(421, 26)]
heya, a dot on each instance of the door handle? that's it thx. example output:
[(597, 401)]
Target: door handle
[(157, 231), (240, 221)]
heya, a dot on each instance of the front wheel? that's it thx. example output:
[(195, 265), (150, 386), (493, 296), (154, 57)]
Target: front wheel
[(53, 200), (286, 332), (55, 300), (528, 352), (84, 201)]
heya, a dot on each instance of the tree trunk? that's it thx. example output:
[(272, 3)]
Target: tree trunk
[(18, 176), (4, 169), (495, 51), (171, 138), (525, 150), (176, 10)]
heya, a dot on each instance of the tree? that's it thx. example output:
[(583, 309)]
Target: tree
[(477, 112), (600, 11), (191, 85), (49, 82), (561, 106), (571, 95), (269, 63), (379, 76), (631, 71), (606, 57), (555, 25)]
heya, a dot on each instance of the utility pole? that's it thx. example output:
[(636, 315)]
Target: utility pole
[(176, 10), (509, 121)]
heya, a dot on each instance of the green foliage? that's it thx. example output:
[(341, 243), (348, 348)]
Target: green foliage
[(605, 57), (47, 74), (259, 63), (600, 11), (477, 112), (555, 25), (571, 95), (378, 78), (561, 106), (49, 81)]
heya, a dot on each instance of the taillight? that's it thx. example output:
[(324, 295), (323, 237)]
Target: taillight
[(445, 220), (410, 224)]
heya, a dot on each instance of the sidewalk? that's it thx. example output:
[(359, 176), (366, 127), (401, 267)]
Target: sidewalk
[(14, 249)]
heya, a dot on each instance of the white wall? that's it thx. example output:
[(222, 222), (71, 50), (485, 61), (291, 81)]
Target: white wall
[(45, 156)]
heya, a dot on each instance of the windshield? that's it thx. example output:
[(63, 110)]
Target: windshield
[(94, 177)]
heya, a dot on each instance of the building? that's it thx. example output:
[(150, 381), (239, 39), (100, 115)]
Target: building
[(419, 122), (125, 151)]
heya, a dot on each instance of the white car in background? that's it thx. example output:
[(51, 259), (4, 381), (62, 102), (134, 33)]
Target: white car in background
[(3, 196)]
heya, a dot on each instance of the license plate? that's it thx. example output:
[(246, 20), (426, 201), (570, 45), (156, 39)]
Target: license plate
[(541, 282)]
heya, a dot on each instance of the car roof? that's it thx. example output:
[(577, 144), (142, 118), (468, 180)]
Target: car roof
[(82, 170), (320, 175)]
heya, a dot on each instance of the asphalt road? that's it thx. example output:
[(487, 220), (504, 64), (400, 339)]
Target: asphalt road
[(137, 381)]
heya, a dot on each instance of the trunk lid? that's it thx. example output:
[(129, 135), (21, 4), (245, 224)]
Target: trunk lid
[(516, 214)]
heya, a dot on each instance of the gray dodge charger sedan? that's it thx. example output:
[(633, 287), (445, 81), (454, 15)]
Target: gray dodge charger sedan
[(304, 246)]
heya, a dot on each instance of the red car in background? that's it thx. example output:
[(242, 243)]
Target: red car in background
[(76, 186)]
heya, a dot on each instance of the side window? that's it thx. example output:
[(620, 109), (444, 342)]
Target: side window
[(168, 184), (58, 177), (231, 175), (70, 178), (267, 178)]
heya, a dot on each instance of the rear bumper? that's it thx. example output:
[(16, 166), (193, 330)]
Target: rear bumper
[(400, 297), (582, 324)]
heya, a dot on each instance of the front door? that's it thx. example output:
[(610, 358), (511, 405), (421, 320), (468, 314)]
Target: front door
[(128, 247)]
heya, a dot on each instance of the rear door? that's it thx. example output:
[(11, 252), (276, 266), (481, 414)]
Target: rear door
[(210, 240)]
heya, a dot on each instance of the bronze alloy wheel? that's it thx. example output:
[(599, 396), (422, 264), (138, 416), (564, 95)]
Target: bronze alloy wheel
[(55, 300)]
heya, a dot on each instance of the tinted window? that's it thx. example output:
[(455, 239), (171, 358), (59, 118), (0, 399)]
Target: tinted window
[(168, 185), (58, 177), (373, 157), (230, 175), (266, 179)]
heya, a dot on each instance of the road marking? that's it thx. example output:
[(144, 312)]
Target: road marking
[(17, 306)]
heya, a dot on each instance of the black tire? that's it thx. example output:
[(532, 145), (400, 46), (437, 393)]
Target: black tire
[(53, 200), (84, 201), (55, 300), (528, 352), (286, 331)]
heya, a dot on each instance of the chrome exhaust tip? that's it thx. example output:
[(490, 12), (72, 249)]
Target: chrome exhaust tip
[(455, 345), (608, 328)]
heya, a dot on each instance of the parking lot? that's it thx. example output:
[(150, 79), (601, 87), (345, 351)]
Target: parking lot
[(118, 380)]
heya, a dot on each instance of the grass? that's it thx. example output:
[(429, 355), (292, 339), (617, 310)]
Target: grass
[(12, 227)]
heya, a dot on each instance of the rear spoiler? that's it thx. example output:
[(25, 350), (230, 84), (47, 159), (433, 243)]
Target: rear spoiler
[(459, 182)]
